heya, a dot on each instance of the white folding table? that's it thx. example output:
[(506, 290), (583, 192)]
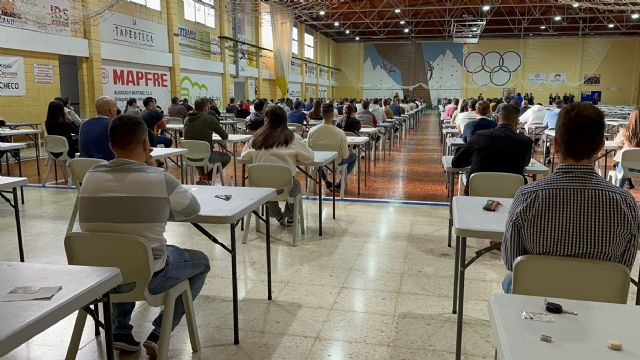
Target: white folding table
[(359, 142), (7, 148), (81, 286), (452, 144), (164, 153), (470, 220), (173, 130), (581, 337), (214, 210), (31, 134), (234, 140), (370, 132), (10, 185), (446, 133)]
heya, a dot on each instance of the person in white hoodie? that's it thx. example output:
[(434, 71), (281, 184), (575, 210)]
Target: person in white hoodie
[(378, 111), (274, 143), (532, 118)]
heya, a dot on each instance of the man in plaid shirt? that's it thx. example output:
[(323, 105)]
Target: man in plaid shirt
[(573, 212)]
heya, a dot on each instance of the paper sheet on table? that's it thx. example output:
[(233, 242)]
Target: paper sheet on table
[(25, 293)]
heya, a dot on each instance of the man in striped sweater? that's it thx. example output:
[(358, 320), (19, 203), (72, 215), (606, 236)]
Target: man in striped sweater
[(129, 195)]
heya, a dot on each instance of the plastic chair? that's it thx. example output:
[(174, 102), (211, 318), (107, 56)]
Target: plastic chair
[(296, 128), (79, 167), (280, 178), (175, 120), (495, 184), (630, 163), (571, 278), (199, 155), (132, 255), (57, 148), (241, 125)]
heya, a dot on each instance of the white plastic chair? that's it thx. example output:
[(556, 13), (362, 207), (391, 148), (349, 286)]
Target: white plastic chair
[(571, 278), (296, 128), (241, 125), (55, 144), (132, 255), (175, 120), (630, 163), (79, 167), (280, 178), (495, 184), (199, 155)]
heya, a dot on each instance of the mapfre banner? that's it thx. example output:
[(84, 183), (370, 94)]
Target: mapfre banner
[(12, 76), (124, 82)]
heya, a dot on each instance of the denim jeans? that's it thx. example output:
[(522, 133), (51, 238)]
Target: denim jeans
[(506, 282), (164, 140), (350, 161), (182, 264), (274, 207)]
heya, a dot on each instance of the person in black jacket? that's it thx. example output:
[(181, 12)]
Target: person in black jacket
[(58, 124), (497, 150)]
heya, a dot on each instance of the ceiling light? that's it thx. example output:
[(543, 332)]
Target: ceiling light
[(557, 18), (397, 11), (635, 16), (576, 4), (474, 29), (357, 38), (402, 22), (347, 31), (486, 8), (322, 13), (530, 34), (610, 25), (406, 30), (336, 23), (543, 27)]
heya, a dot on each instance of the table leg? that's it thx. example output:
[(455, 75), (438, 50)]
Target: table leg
[(108, 331), (450, 176), (461, 267), (37, 144), (235, 169), (343, 183), (319, 202), (456, 261), (358, 164), (244, 167), (20, 174), (234, 284), (16, 210), (268, 230)]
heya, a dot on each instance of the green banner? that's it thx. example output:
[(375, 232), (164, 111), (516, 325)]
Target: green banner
[(194, 42)]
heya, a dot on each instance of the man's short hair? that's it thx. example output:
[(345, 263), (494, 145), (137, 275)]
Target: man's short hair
[(365, 104), (148, 100), (376, 101), (200, 104), (509, 113), (327, 110), (297, 104), (559, 104), (483, 108), (472, 104), (259, 105), (126, 132), (175, 100), (232, 100), (580, 131), (350, 108)]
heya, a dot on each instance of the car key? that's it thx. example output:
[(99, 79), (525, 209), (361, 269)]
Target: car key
[(556, 308)]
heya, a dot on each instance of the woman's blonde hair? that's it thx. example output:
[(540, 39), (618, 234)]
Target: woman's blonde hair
[(632, 130)]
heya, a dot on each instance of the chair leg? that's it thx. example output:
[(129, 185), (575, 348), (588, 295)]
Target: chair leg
[(165, 329), (301, 215), (192, 325), (219, 170), (65, 172), (74, 213), (296, 205), (344, 180), (247, 224), (76, 336), (48, 172)]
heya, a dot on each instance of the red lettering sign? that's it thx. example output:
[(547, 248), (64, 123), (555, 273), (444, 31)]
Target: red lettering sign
[(140, 78)]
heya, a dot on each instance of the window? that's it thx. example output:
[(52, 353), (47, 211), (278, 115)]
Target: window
[(294, 40), (308, 46), (153, 4), (266, 34), (200, 11)]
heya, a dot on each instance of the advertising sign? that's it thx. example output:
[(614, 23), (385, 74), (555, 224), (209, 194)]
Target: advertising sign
[(126, 81), (196, 85), (40, 15), (195, 43), (130, 31), (12, 76)]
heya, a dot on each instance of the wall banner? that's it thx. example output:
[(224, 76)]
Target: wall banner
[(536, 78), (121, 82), (591, 79), (195, 43), (127, 30), (557, 78), (43, 73), (12, 76), (196, 85), (294, 91), (50, 16)]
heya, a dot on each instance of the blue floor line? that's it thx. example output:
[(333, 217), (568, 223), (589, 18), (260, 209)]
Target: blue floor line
[(410, 147)]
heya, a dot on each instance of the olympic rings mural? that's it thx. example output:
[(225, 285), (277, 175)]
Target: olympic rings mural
[(492, 68)]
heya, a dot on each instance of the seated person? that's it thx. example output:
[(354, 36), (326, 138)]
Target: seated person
[(316, 111), (551, 118), (176, 109), (297, 116), (481, 123), (132, 107), (525, 107), (350, 123), (129, 196), (242, 112), (574, 211), (627, 138), (200, 125), (326, 136), (274, 143), (497, 150), (94, 132), (365, 116), (256, 120), (213, 108), (58, 124), (465, 117), (155, 121), (69, 111), (532, 118)]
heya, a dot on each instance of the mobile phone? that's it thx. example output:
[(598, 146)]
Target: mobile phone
[(491, 205), (223, 197)]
